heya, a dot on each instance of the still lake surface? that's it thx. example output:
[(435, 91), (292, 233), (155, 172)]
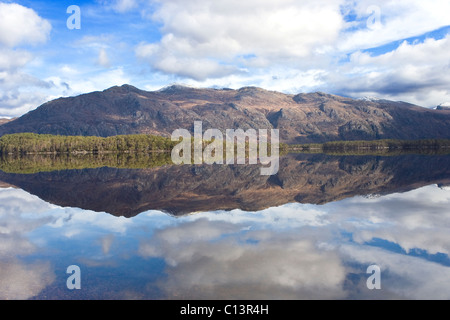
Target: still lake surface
[(226, 232)]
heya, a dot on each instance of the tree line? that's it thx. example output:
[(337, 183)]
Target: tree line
[(390, 144), (29, 143)]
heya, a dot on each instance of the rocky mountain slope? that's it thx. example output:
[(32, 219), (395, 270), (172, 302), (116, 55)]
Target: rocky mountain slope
[(301, 118)]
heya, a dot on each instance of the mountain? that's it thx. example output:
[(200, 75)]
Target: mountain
[(184, 189), (5, 120), (301, 118)]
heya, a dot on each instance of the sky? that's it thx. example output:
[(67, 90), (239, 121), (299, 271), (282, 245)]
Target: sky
[(397, 50)]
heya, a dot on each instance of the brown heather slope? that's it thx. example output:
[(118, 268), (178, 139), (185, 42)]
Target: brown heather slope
[(302, 118)]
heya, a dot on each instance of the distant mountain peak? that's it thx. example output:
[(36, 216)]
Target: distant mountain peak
[(123, 88), (176, 87), (369, 98), (251, 88)]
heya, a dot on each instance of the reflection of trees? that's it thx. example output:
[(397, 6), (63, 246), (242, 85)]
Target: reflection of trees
[(305, 178), (40, 163)]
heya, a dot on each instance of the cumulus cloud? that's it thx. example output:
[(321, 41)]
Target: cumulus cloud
[(19, 26), (397, 20), (277, 45), (225, 37), (406, 72), (205, 262)]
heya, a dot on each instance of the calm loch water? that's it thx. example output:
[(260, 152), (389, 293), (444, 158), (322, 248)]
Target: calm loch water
[(226, 232)]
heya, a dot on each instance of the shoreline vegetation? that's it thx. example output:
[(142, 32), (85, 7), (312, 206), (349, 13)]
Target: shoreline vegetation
[(31, 153), (390, 144), (31, 143)]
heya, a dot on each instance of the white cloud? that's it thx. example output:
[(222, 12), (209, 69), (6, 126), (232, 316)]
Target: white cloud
[(218, 34), (72, 81), (99, 80), (274, 45), (399, 20), (103, 59), (125, 5), (20, 25), (13, 59), (415, 72)]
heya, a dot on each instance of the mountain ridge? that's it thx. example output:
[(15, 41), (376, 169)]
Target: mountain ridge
[(301, 118)]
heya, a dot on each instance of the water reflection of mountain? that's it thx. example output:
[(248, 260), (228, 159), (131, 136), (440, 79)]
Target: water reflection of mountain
[(305, 178)]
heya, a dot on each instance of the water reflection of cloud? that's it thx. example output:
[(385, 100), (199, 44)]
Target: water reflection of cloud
[(402, 276), (416, 219), (106, 243), (287, 216), (73, 221), (29, 225), (294, 251), (216, 259), (19, 281), (302, 251), (21, 213)]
